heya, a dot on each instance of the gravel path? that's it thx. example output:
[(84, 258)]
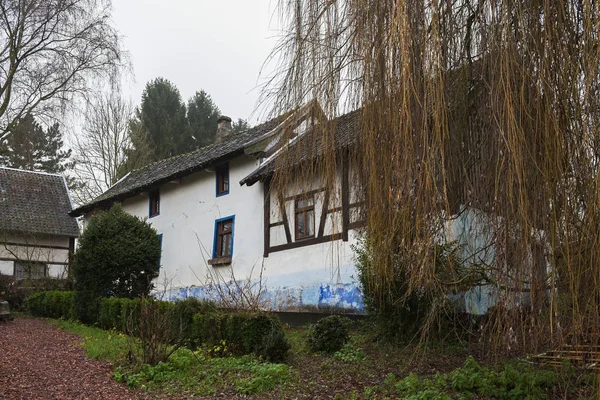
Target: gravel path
[(40, 361)]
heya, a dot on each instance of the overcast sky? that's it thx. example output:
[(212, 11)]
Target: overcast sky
[(218, 46)]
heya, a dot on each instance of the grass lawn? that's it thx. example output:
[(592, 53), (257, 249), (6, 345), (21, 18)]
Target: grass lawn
[(363, 369)]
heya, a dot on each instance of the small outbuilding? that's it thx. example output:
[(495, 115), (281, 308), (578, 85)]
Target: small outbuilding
[(37, 234)]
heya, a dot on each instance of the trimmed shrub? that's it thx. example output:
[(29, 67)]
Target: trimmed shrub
[(274, 346), (198, 323), (264, 336), (184, 311), (259, 334), (329, 334), (117, 257), (123, 314), (51, 304), (207, 328)]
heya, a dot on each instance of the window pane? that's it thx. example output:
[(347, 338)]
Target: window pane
[(227, 226), (302, 203), (154, 203), (300, 225), (222, 179), (310, 229), (226, 245), (30, 270), (19, 271), (226, 183)]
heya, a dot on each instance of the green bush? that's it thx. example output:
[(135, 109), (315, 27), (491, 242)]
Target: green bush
[(119, 314), (207, 328), (51, 304), (123, 315), (329, 334), (117, 257), (273, 347), (184, 311), (259, 334), (398, 311)]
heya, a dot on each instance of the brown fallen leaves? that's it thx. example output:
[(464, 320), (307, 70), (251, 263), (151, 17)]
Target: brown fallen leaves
[(39, 361)]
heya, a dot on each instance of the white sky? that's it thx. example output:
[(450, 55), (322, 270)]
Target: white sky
[(215, 45)]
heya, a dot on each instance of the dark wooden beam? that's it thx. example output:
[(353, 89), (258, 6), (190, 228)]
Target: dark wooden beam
[(40, 246), (345, 197), (286, 224), (305, 194), (71, 251), (323, 214), (42, 262), (267, 217), (306, 242)]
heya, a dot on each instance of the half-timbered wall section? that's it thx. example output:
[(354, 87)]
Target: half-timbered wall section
[(309, 231), (37, 235), (34, 255)]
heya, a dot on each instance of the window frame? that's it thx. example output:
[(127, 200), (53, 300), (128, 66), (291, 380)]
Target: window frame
[(154, 198), (38, 263), (304, 211), (222, 176), (217, 237)]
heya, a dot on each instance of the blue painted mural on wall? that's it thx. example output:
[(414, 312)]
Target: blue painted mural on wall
[(342, 297)]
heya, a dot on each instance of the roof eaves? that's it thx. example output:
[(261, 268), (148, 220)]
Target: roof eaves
[(142, 188)]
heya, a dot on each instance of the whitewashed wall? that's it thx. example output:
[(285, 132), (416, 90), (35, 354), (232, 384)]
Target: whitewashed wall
[(51, 250), (305, 278), (188, 210)]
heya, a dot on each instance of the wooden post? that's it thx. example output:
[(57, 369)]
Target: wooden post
[(267, 216), (345, 197)]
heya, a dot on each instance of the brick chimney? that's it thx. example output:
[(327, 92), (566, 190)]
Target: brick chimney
[(223, 128)]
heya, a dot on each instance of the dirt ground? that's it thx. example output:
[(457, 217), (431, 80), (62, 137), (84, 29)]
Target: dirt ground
[(40, 361)]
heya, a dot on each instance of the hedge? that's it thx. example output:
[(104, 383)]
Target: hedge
[(51, 304), (116, 312), (202, 324), (199, 322), (259, 334)]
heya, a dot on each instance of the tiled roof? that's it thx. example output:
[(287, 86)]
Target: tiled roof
[(311, 145), (176, 167), (35, 203)]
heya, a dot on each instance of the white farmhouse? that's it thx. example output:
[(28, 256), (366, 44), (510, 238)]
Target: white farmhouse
[(220, 223), (37, 235)]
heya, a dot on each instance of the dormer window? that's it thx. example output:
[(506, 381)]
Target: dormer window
[(222, 179), (154, 206)]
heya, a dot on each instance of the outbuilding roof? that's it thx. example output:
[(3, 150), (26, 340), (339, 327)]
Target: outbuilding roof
[(35, 203)]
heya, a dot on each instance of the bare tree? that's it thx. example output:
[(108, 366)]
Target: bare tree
[(50, 51), (100, 148)]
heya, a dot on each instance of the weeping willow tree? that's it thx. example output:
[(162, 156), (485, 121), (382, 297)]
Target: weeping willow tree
[(482, 104)]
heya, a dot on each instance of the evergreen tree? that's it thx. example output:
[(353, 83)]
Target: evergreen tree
[(202, 116), (239, 126), (164, 127), (159, 124), (30, 147)]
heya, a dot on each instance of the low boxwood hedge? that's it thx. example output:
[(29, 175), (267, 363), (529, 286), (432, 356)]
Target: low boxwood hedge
[(244, 333), (199, 323), (51, 304)]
